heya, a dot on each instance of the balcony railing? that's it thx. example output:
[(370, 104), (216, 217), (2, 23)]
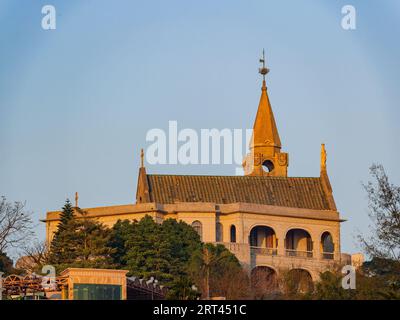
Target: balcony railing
[(327, 255), (237, 247), (264, 251), (298, 253)]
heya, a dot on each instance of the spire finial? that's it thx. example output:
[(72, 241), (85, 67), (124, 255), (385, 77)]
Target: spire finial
[(323, 157), (142, 158), (263, 70), (76, 199)]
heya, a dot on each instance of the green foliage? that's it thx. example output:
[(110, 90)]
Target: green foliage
[(384, 276), (182, 288), (213, 269), (384, 207), (148, 252), (67, 214), (80, 243), (329, 287), (6, 264), (376, 280), (170, 252), (148, 249), (120, 234)]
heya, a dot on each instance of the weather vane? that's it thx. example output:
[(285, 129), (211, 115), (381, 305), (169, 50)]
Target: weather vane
[(263, 70)]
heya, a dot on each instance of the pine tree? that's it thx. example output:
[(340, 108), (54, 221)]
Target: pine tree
[(149, 249), (66, 215), (91, 243), (62, 247), (80, 243)]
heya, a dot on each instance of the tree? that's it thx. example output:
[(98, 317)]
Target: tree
[(211, 268), (67, 214), (384, 276), (173, 254), (156, 250), (148, 249), (6, 264), (264, 283), (183, 288), (92, 250), (62, 247), (120, 234), (147, 252), (383, 246), (384, 205), (80, 242), (15, 225), (329, 287), (35, 256)]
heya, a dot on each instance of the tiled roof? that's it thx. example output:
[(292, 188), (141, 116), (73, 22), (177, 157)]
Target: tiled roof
[(277, 191)]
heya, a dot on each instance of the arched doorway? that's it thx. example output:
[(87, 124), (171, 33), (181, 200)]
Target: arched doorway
[(298, 281), (263, 240), (264, 283), (327, 246), (298, 243)]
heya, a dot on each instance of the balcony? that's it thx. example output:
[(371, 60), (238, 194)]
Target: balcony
[(298, 253), (327, 255), (264, 251)]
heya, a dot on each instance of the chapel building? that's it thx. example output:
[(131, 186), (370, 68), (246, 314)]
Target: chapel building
[(266, 218)]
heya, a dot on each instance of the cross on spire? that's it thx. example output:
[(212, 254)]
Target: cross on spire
[(263, 70)]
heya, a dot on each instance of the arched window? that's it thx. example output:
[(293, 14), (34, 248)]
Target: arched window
[(197, 226), (233, 233), (219, 232), (299, 243), (327, 246)]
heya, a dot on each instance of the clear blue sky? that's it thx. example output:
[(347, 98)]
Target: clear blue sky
[(76, 103)]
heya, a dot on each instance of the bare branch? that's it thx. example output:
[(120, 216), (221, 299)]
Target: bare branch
[(384, 207), (15, 225)]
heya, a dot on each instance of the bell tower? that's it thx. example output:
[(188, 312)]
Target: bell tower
[(265, 157)]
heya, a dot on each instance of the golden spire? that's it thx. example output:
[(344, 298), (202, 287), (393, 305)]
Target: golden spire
[(323, 157), (265, 132), (142, 158)]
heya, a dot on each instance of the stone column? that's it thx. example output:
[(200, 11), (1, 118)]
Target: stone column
[(280, 235), (316, 245), (336, 252)]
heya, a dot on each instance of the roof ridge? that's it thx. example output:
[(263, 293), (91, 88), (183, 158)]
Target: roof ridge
[(226, 176)]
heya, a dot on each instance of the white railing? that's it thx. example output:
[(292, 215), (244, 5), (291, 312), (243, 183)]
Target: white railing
[(232, 246), (298, 253), (327, 255), (238, 247), (264, 251)]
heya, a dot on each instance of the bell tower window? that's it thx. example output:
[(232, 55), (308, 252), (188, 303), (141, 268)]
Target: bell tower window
[(268, 166)]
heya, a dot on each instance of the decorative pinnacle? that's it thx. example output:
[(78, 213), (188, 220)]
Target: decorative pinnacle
[(323, 157), (263, 70), (141, 158), (76, 199)]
